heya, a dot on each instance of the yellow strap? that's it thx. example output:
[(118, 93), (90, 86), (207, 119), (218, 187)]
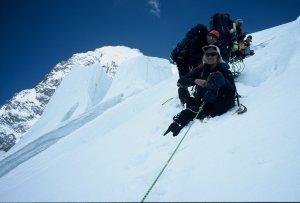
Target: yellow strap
[(234, 26)]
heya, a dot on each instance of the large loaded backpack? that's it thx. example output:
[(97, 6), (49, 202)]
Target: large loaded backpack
[(181, 52), (223, 23)]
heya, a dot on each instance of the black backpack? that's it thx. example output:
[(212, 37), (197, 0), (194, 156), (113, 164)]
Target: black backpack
[(181, 51), (222, 23)]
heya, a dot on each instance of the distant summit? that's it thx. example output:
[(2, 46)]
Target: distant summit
[(22, 111)]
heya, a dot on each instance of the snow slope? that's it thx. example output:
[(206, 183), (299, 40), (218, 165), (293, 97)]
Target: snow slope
[(104, 142), (21, 112)]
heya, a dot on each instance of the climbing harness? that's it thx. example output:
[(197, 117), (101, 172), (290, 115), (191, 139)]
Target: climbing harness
[(165, 166)]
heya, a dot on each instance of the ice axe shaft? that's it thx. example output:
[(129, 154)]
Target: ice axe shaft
[(241, 108)]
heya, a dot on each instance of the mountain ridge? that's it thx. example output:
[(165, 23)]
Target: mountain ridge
[(21, 112)]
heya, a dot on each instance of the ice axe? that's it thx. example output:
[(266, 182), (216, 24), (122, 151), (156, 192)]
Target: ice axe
[(241, 108)]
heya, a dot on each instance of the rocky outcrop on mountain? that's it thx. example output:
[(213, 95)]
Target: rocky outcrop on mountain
[(25, 108)]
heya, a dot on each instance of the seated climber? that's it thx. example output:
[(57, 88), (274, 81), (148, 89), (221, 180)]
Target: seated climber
[(215, 89)]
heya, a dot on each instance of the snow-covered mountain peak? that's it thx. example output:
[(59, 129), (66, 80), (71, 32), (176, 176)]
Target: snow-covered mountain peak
[(118, 53), (109, 57), (25, 108)]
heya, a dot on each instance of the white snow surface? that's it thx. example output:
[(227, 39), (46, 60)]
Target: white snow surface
[(101, 139)]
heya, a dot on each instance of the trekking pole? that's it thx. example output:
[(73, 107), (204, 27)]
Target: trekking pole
[(165, 166), (167, 101)]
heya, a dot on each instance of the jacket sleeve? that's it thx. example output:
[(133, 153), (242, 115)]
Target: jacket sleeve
[(228, 75), (188, 79), (224, 68)]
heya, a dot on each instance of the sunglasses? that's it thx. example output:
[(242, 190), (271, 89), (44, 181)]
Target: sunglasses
[(211, 54)]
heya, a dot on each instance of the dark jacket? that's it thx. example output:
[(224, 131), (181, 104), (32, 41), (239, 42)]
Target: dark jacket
[(195, 51), (216, 98), (203, 73)]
